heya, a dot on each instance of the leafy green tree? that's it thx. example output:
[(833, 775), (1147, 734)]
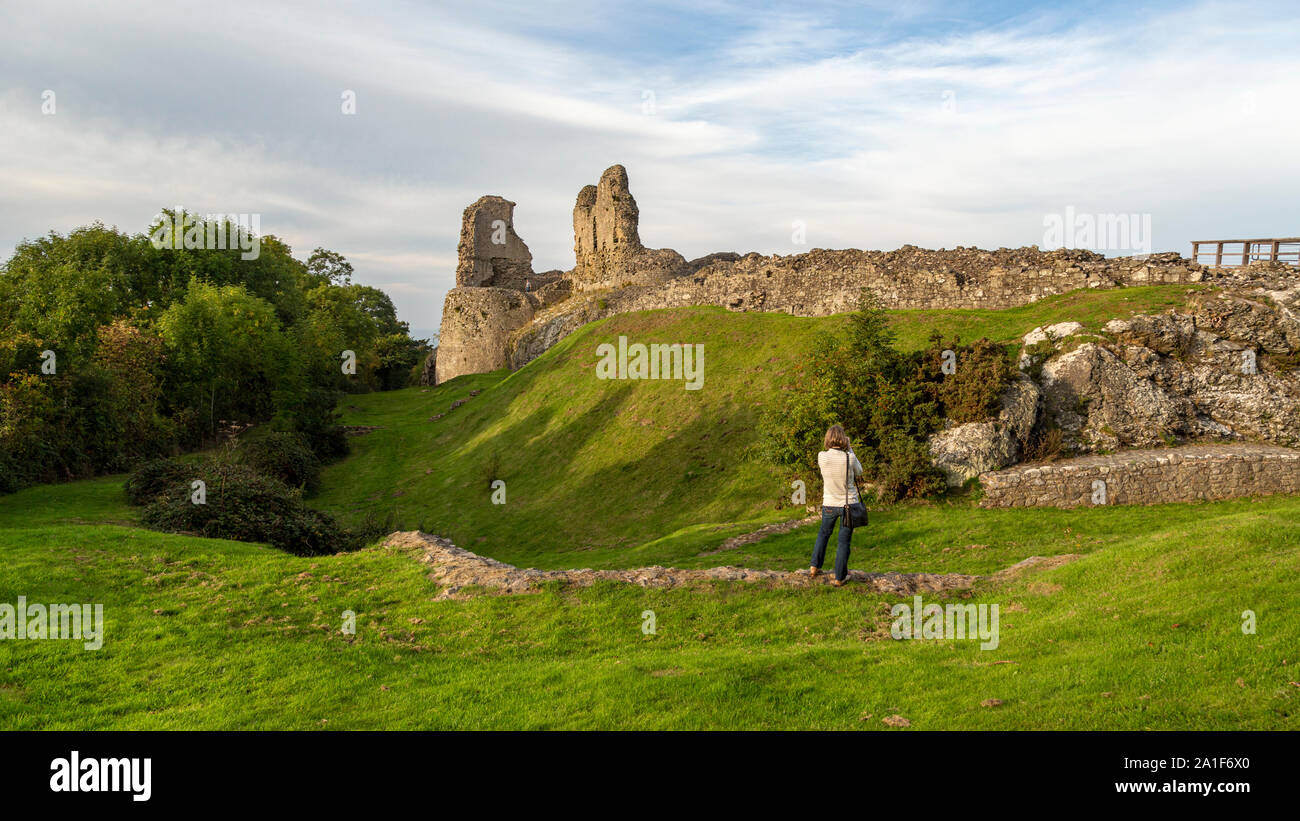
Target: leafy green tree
[(157, 344), (329, 268), (63, 288), (227, 355)]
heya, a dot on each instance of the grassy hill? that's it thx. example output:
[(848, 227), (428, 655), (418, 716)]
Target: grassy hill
[(600, 473), (1142, 631)]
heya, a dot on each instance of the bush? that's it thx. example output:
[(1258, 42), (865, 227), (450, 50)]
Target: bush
[(156, 477), (10, 479), (329, 442), (315, 415), (890, 402), (241, 504), (972, 392), (284, 456), (906, 471)]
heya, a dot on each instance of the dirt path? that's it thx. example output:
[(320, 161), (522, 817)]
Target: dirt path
[(455, 569)]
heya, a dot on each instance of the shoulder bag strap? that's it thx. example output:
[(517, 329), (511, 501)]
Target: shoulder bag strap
[(846, 482)]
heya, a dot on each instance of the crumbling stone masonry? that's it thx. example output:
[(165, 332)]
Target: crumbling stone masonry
[(607, 245), (614, 273)]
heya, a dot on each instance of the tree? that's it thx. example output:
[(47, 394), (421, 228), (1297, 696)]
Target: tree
[(227, 355), (329, 268), (63, 288)]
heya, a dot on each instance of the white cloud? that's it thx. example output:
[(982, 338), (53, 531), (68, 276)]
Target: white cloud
[(760, 119)]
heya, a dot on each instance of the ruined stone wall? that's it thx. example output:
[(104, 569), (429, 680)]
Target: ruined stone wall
[(615, 273), (490, 253), (823, 282), (1143, 477), (476, 326), (497, 293)]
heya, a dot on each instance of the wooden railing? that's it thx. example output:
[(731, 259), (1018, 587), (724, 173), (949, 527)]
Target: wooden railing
[(1247, 251)]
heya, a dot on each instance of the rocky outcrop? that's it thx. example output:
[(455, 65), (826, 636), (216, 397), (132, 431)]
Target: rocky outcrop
[(1224, 367), (606, 241), (965, 451), (1101, 404), (1051, 333)]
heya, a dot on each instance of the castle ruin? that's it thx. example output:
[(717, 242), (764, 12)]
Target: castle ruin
[(503, 314)]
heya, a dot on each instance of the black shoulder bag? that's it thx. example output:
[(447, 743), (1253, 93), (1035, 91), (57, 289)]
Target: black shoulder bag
[(855, 514)]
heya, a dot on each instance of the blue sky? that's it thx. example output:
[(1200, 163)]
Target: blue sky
[(872, 124)]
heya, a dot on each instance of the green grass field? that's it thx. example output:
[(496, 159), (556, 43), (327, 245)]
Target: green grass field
[(596, 470), (1144, 630)]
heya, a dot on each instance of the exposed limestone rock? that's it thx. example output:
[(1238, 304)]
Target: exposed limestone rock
[(1265, 313), (490, 253), (965, 451), (1186, 374), (1099, 403), (1051, 333), (1055, 332), (607, 245)]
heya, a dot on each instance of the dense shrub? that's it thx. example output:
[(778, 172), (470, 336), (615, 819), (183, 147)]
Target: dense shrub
[(972, 391), (154, 478), (328, 442), (244, 505), (28, 434), (284, 456), (906, 471), (10, 478), (890, 402)]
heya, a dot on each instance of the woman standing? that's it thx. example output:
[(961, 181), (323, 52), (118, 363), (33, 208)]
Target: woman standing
[(839, 469)]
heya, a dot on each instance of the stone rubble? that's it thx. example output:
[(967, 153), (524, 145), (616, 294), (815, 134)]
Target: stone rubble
[(461, 573)]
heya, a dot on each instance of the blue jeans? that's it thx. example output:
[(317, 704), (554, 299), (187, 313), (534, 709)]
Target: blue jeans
[(829, 516)]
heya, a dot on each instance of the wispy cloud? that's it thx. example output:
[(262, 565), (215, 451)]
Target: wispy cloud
[(875, 126)]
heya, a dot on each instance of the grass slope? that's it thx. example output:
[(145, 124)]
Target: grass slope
[(1142, 632), (598, 470)]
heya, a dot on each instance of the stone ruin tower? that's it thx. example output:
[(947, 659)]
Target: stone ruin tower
[(490, 253), (497, 291), (606, 245)]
